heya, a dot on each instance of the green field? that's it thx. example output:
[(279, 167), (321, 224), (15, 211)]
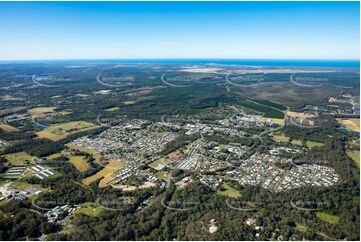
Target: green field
[(296, 142), (227, 190), (355, 155), (41, 110), (280, 138), (161, 175), (90, 209), (311, 144), (18, 159), (328, 218)]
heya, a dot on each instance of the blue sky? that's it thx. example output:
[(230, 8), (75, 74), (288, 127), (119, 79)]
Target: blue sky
[(92, 30)]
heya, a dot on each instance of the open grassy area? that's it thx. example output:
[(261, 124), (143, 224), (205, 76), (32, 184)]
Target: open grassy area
[(161, 175), (8, 128), (355, 155), (299, 115), (280, 138), (311, 144), (60, 131), (54, 156), (352, 124), (328, 218), (18, 159), (41, 110), (112, 109), (106, 172), (79, 162), (155, 163), (90, 209), (274, 120), (227, 190), (301, 227), (296, 142), (21, 185)]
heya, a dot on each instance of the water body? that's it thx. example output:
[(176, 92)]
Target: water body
[(244, 62)]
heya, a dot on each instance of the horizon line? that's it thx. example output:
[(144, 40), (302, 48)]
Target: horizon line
[(184, 58)]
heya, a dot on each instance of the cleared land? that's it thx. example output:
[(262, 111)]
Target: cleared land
[(106, 173), (355, 155), (328, 218), (352, 124), (60, 131), (18, 159), (41, 110), (227, 190), (8, 128), (79, 162), (300, 115)]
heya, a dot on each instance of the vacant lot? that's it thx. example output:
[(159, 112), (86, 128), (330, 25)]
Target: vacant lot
[(60, 131), (355, 155), (18, 159), (352, 124), (8, 128), (328, 218), (227, 190), (106, 173)]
